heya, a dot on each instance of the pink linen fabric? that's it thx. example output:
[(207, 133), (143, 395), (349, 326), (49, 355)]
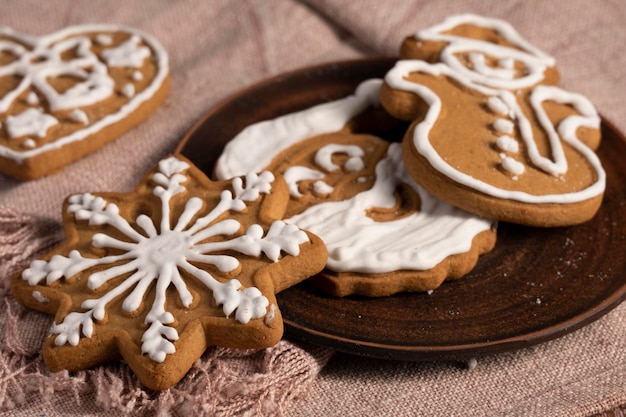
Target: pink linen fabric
[(217, 48)]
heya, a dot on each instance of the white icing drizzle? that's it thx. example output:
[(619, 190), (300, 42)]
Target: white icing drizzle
[(290, 129), (41, 60), (479, 65), (535, 61), (128, 90), (79, 116), (507, 144), (294, 175), (504, 126), (128, 54), (136, 76), (355, 241), (567, 130), (418, 241), (156, 253), (30, 122), (324, 157)]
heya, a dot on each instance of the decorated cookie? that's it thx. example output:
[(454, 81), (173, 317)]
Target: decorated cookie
[(383, 232), (157, 275), (491, 134), (64, 95)]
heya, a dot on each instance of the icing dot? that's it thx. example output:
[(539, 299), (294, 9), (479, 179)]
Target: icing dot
[(497, 106), (128, 90), (29, 143), (79, 116), (503, 125), (512, 166), (32, 99), (137, 76), (507, 143), (354, 164), (104, 40), (321, 188)]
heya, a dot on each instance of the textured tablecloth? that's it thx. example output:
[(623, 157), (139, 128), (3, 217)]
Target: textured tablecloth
[(216, 48)]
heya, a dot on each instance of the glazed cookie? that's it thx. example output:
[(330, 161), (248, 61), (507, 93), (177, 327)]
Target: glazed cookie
[(157, 275), (490, 134), (65, 95), (383, 232)]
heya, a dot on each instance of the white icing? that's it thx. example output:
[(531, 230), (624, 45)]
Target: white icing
[(418, 241), (479, 65), (136, 76), (354, 164), (31, 122), (497, 106), (281, 133), (40, 297), (104, 40), (321, 188), (507, 143), (128, 90), (156, 253), (324, 157), (44, 61), (128, 54), (32, 99), (355, 241), (294, 175), (534, 60), (504, 126), (512, 166), (29, 143), (95, 83), (79, 116), (567, 130)]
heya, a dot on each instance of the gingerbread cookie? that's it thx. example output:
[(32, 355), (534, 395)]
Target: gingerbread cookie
[(64, 95), (157, 275), (383, 232), (491, 135)]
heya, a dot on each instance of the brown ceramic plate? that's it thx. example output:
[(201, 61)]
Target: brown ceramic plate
[(536, 285)]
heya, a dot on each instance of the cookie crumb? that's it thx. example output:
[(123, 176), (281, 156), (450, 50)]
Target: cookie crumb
[(40, 297)]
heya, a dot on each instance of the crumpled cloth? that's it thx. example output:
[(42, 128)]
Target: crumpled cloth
[(219, 47)]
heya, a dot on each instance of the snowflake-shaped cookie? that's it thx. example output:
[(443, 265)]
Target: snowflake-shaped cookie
[(157, 275)]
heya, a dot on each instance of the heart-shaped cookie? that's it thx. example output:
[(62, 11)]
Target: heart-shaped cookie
[(64, 95)]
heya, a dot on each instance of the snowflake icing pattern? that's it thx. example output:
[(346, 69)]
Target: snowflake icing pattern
[(157, 253)]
